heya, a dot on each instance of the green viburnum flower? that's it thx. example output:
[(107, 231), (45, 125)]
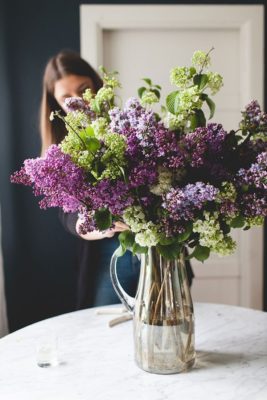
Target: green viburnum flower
[(104, 94), (189, 99), (149, 97), (114, 156), (254, 221), (201, 59), (259, 136), (215, 82), (110, 78), (179, 76), (88, 95), (74, 147), (164, 182), (146, 232), (135, 218), (211, 235), (100, 126), (112, 81), (76, 120), (149, 237), (226, 246), (227, 192), (74, 142), (116, 146), (173, 122)]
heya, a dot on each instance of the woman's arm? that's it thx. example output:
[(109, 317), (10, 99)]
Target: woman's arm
[(97, 235), (71, 223)]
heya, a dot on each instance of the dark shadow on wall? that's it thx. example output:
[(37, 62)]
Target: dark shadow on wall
[(39, 256)]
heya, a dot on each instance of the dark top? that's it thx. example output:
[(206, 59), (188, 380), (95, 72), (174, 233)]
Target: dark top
[(94, 286)]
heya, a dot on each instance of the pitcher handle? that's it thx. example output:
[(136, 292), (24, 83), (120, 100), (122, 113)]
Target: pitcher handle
[(125, 298)]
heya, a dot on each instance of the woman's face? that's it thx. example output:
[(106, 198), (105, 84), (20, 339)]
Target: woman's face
[(71, 86)]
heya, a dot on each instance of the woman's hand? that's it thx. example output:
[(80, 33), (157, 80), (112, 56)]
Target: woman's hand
[(97, 235)]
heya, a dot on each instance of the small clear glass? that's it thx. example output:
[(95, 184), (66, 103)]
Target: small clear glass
[(47, 351)]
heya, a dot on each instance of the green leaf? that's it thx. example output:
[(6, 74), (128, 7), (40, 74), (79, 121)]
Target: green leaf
[(200, 80), (97, 107), (170, 101), (163, 109), (203, 96), (201, 253), (211, 106), (89, 131), (192, 71), (200, 118), (103, 219), (238, 222), (140, 91), (121, 251), (126, 239), (148, 81), (137, 249), (244, 188), (92, 144), (182, 237), (166, 240), (193, 122), (171, 251), (102, 69), (225, 228), (157, 92), (123, 174), (158, 87)]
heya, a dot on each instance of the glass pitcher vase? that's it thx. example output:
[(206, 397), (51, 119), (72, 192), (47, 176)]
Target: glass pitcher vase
[(163, 316)]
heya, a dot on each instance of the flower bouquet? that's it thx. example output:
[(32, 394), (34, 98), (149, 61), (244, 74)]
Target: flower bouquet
[(173, 178)]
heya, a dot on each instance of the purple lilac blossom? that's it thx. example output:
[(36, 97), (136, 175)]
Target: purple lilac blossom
[(249, 150), (55, 177), (254, 116), (143, 174), (183, 202), (172, 227), (204, 143), (228, 208), (88, 223), (147, 138), (74, 104), (114, 196), (254, 204), (256, 175)]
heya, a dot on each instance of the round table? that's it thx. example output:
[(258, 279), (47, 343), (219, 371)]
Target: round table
[(97, 362)]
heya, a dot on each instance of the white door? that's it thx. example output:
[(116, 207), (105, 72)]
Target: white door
[(146, 41)]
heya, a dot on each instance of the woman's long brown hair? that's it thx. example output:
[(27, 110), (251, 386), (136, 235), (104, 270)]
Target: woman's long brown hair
[(62, 64)]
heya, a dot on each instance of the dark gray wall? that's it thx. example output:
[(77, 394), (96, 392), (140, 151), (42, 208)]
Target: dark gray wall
[(39, 256)]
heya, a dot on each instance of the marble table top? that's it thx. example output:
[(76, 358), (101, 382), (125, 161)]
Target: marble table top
[(97, 362)]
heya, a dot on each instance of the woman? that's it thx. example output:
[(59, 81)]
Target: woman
[(68, 75)]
